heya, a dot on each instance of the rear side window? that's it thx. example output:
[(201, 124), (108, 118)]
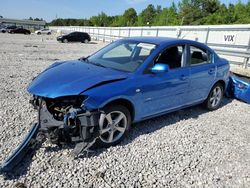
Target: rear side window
[(199, 56)]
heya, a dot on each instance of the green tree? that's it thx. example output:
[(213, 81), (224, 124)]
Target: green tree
[(168, 16), (101, 20), (242, 13), (193, 12), (118, 21), (190, 12), (129, 17), (147, 16)]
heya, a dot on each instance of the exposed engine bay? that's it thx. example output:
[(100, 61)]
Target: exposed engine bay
[(64, 120)]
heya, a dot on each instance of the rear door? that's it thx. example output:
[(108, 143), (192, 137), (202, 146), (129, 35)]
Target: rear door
[(72, 37), (81, 37), (202, 73), (19, 30)]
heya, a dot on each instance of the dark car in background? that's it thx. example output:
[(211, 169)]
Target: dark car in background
[(3, 29), (11, 27), (75, 37), (20, 30)]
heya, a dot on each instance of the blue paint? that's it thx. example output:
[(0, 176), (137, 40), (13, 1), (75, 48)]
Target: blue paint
[(160, 68), (150, 93), (239, 88), (15, 158)]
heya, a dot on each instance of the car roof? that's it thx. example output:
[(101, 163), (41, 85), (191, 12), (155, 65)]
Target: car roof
[(78, 32), (163, 40)]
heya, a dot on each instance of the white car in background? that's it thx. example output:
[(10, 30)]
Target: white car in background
[(43, 31)]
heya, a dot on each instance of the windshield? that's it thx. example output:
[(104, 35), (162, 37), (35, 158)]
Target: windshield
[(123, 55)]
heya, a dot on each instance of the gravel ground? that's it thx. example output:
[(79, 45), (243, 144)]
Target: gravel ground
[(188, 148)]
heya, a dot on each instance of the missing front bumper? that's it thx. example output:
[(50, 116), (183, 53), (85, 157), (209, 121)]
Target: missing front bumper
[(15, 158)]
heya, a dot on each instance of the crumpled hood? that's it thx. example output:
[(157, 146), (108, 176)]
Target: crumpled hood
[(71, 78)]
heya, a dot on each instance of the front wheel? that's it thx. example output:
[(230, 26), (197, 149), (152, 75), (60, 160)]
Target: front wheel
[(114, 124), (65, 40), (215, 97)]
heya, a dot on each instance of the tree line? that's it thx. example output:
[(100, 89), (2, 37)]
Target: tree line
[(186, 12)]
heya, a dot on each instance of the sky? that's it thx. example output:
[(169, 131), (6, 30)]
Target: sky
[(51, 9)]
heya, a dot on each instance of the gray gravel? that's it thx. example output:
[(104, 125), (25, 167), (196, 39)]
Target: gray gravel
[(188, 148)]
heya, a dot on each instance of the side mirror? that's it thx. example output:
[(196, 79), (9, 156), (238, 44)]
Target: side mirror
[(160, 68)]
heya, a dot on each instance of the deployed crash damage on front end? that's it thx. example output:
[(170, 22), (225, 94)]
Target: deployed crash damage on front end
[(63, 116), (65, 120)]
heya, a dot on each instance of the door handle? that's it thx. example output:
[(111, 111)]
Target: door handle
[(211, 71), (183, 77)]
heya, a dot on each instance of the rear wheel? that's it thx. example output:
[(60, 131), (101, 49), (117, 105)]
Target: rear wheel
[(114, 125), (86, 41), (49, 33), (215, 97), (39, 33)]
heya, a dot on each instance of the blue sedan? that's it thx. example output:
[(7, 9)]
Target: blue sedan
[(95, 99)]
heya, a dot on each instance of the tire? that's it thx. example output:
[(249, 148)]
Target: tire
[(65, 41), (39, 33), (86, 41), (49, 33), (215, 97), (111, 136)]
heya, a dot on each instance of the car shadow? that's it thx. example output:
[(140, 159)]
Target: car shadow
[(92, 42), (137, 129), (151, 125)]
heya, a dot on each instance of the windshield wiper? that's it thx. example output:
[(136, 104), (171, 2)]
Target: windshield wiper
[(84, 58), (98, 64)]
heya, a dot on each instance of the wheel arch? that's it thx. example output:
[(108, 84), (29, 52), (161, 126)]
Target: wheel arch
[(222, 82), (124, 102)]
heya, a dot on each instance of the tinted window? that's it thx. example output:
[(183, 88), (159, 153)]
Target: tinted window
[(72, 34), (199, 56), (173, 57)]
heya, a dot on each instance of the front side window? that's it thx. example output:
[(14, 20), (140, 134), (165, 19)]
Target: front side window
[(123, 55), (199, 56), (172, 56)]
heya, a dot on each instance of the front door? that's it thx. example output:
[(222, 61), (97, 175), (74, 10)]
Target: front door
[(166, 91)]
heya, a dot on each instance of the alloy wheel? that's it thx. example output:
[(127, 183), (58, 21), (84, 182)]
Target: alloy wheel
[(112, 126), (216, 96)]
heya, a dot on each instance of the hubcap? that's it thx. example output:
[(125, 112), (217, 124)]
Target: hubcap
[(216, 96), (112, 126)]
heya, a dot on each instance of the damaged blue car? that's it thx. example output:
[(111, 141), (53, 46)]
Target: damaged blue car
[(95, 99)]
